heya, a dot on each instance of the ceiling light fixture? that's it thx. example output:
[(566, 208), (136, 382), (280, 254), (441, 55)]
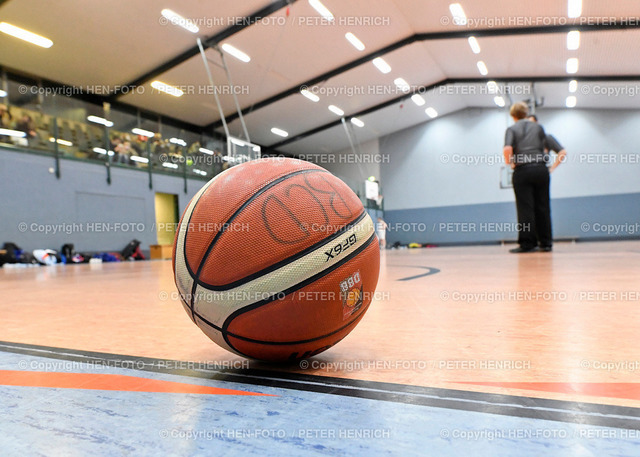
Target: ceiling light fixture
[(175, 19), (357, 122), (235, 52), (402, 84), (310, 95), (574, 8), (475, 46), (573, 40), (418, 99), (279, 132), (100, 120), (336, 110), (459, 18), (143, 132), (25, 35), (354, 41), (381, 65), (482, 68), (572, 65), (167, 89), (573, 86)]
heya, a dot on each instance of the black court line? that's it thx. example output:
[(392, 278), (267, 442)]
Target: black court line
[(593, 414), (430, 271)]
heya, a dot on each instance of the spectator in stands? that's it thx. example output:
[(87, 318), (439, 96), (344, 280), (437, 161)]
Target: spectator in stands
[(26, 125), (5, 117), (123, 150)]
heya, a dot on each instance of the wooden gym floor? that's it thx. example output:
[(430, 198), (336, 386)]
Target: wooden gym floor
[(544, 337)]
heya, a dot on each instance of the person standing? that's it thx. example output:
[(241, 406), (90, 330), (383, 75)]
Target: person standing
[(551, 144), (523, 150)]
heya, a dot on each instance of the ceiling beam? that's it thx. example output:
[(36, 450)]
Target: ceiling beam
[(207, 43), (448, 35), (444, 82)]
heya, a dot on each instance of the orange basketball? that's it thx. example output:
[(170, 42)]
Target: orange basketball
[(276, 259)]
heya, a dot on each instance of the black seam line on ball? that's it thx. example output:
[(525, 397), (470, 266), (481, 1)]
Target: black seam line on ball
[(281, 343), (226, 224), (286, 261), (233, 216), (184, 249), (291, 289)]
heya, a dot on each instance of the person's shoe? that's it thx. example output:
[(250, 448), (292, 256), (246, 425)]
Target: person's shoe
[(546, 248), (521, 250)]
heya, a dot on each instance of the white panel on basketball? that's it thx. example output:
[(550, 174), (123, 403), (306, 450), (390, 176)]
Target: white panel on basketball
[(216, 306), (214, 334)]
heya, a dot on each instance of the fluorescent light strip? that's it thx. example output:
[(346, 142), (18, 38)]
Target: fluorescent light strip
[(175, 19), (402, 84), (336, 110), (167, 89), (200, 172), (60, 141), (574, 8), (321, 9), (256, 149), (235, 52), (459, 18), (498, 100), (100, 120), (237, 142), (573, 86), (381, 65), (102, 151), (573, 40), (279, 132), (310, 95), (431, 112), (357, 122), (475, 46), (418, 100), (354, 41), (571, 101), (142, 132), (492, 87), (482, 68), (139, 159), (170, 165), (9, 132), (206, 151), (2, 94), (572, 65), (178, 141), (25, 35)]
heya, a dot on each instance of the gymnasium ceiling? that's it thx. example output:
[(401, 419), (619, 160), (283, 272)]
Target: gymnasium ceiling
[(523, 44)]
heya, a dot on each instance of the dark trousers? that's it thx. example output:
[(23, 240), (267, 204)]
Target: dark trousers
[(531, 186)]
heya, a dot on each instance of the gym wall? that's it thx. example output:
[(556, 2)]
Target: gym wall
[(33, 197), (448, 171)]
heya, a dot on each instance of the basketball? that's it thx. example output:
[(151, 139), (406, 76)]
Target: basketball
[(276, 259)]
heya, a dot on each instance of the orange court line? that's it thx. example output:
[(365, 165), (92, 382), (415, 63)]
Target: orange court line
[(626, 390), (100, 381)]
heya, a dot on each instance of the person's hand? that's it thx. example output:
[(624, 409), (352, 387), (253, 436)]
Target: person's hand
[(513, 166)]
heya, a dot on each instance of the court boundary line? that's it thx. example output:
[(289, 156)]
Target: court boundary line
[(580, 413)]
